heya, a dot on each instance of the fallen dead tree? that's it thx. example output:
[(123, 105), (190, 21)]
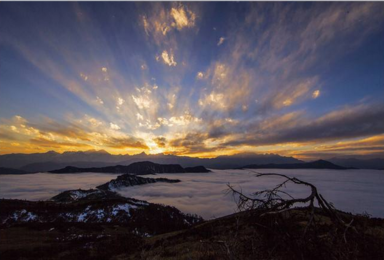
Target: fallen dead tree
[(276, 201), (273, 224)]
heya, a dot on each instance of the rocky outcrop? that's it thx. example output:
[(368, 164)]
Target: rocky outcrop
[(142, 216), (127, 180), (85, 195)]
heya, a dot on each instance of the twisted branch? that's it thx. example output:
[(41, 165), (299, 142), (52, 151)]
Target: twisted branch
[(270, 202)]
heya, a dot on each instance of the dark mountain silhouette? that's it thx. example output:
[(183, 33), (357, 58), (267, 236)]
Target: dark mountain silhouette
[(196, 169), (138, 168), (37, 161), (11, 171), (43, 162), (376, 163), (320, 164), (127, 180), (49, 166)]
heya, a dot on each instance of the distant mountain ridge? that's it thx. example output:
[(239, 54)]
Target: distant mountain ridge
[(4, 170), (138, 168), (320, 164), (43, 162), (375, 163)]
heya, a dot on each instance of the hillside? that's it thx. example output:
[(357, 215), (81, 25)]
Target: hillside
[(239, 236), (144, 217)]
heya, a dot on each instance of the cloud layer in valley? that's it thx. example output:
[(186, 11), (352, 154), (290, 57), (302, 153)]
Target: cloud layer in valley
[(205, 194)]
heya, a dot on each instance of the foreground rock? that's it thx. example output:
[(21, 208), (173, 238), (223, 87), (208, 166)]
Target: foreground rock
[(244, 236), (145, 218), (139, 168), (127, 180)]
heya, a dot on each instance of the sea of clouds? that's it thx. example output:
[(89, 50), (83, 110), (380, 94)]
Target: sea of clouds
[(206, 194)]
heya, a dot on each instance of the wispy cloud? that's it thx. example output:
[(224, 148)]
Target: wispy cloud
[(157, 80), (183, 17), (221, 41), (168, 58)]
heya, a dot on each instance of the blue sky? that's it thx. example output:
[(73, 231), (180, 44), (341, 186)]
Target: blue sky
[(197, 79)]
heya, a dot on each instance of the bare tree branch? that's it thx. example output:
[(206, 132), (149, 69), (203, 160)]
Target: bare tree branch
[(275, 201)]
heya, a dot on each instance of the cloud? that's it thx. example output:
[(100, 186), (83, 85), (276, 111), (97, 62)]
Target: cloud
[(182, 120), (124, 142), (139, 116), (99, 100), (168, 58), (205, 194), (146, 25), (141, 101), (189, 143), (290, 94), (372, 146), (44, 142), (221, 41), (160, 141), (94, 122), (182, 17), (316, 94), (345, 123), (149, 125), (84, 77), (46, 134), (160, 22), (120, 101), (114, 126)]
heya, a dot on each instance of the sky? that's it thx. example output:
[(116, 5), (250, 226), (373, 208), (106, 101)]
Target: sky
[(194, 79)]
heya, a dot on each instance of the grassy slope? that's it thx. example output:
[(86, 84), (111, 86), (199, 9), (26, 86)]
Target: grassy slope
[(240, 236)]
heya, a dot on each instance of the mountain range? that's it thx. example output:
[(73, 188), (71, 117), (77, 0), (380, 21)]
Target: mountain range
[(137, 168), (320, 164), (42, 162)]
